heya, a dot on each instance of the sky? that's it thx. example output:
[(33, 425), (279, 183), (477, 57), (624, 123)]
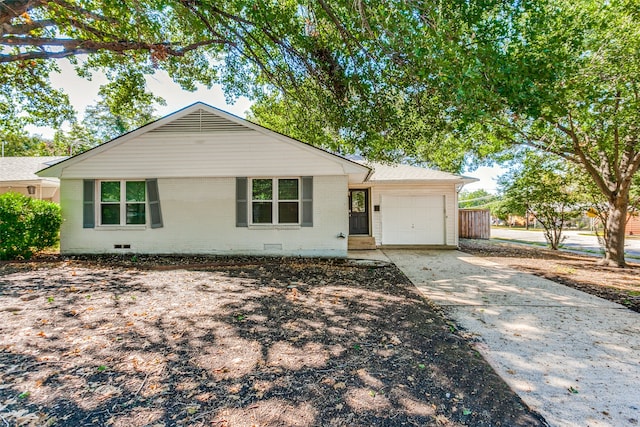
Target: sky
[(83, 93), (487, 175)]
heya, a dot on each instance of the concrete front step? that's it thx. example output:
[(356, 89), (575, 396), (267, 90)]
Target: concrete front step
[(361, 242)]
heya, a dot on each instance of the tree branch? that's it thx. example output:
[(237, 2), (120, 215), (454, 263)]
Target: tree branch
[(80, 11), (10, 9), (582, 158), (77, 47), (23, 29), (616, 137)]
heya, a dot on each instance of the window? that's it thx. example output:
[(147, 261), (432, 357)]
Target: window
[(275, 201), (122, 203)]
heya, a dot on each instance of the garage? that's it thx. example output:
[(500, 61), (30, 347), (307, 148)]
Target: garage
[(413, 220)]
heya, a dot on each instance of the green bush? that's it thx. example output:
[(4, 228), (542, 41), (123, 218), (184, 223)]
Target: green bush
[(27, 225)]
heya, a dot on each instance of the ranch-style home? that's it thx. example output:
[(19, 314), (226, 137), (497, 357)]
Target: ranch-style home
[(203, 181)]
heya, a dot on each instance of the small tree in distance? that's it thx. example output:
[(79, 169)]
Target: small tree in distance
[(541, 186)]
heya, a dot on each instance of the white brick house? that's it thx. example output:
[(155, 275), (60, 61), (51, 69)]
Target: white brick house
[(202, 181)]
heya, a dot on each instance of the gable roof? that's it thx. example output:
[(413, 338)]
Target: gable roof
[(201, 118), (401, 173), (24, 168)]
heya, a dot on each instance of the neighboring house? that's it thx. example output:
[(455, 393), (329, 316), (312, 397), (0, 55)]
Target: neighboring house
[(633, 225), (18, 174), (203, 181)]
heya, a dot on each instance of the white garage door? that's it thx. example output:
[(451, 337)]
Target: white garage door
[(412, 220)]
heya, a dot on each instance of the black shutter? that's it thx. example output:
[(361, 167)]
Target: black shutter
[(88, 203), (153, 197), (241, 202), (307, 201)]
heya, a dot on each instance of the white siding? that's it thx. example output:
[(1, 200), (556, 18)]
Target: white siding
[(199, 218), (446, 190), (222, 154)]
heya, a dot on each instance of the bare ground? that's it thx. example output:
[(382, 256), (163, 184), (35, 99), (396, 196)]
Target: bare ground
[(621, 285), (235, 342)]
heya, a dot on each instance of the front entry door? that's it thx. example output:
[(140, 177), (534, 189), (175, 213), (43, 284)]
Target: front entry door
[(359, 212)]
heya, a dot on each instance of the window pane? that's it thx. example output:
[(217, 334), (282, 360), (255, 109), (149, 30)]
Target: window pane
[(288, 212), (288, 189), (110, 214), (135, 213), (262, 189), (358, 201), (110, 191), (135, 191), (262, 213)]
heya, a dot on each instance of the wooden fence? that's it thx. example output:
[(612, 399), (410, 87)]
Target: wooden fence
[(474, 223)]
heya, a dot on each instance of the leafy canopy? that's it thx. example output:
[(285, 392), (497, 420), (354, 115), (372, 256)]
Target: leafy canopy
[(449, 84)]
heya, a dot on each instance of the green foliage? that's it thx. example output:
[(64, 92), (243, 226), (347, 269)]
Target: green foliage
[(499, 209), (27, 225), (125, 40), (368, 70), (113, 116), (446, 84), (74, 141), (479, 199), (543, 187), (19, 144), (461, 82), (27, 97), (567, 84)]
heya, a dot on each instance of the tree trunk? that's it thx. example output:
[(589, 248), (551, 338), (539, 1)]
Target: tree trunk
[(614, 232)]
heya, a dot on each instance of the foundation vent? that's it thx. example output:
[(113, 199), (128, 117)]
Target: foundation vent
[(273, 246)]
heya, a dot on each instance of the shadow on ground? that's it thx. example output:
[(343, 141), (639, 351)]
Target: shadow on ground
[(266, 342), (570, 355)]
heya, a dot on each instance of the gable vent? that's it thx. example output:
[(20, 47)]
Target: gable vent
[(201, 121)]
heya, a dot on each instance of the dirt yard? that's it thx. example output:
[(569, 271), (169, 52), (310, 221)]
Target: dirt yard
[(621, 285), (235, 342)]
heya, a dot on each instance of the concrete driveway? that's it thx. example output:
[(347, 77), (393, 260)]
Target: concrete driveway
[(572, 357)]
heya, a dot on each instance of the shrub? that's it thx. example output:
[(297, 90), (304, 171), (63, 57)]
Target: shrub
[(27, 225)]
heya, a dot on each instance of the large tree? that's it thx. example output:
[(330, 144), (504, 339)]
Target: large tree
[(244, 45), (446, 83), (125, 40), (569, 83), (469, 80)]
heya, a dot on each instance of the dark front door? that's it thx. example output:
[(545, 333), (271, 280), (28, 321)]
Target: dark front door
[(359, 212)]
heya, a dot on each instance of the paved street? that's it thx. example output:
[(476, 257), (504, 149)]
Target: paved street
[(574, 240)]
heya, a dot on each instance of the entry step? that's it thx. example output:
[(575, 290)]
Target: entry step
[(361, 242)]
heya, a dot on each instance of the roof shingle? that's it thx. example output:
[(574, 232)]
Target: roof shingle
[(24, 168), (400, 172)]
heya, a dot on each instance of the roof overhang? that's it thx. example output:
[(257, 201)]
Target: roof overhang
[(463, 181), (44, 182)]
